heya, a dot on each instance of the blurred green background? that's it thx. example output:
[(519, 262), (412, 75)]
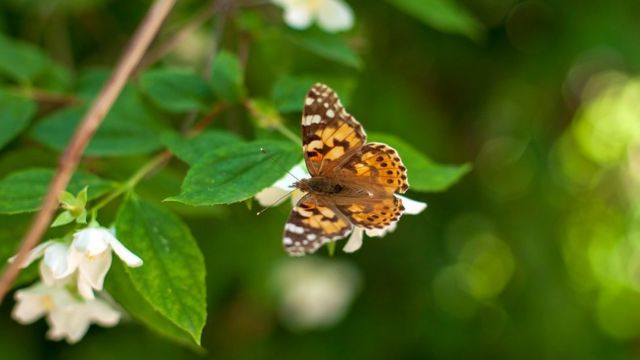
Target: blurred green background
[(533, 254)]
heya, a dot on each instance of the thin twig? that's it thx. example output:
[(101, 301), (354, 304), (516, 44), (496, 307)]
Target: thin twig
[(85, 130), (213, 113), (46, 97)]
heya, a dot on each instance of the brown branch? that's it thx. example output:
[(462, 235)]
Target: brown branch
[(85, 130), (43, 96)]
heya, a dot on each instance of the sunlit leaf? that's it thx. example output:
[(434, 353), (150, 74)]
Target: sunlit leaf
[(423, 173), (192, 150), (176, 90), (236, 173), (172, 277), (227, 77), (331, 47), (23, 191), (15, 114), (442, 15)]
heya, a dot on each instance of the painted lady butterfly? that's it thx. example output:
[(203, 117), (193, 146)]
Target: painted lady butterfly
[(352, 182)]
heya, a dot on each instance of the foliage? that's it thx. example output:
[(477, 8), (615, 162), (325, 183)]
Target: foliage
[(524, 113)]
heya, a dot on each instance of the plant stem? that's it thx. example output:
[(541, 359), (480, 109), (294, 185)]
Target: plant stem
[(150, 166), (44, 96), (84, 132)]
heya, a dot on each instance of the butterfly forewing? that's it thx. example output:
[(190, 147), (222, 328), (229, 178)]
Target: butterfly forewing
[(329, 134)]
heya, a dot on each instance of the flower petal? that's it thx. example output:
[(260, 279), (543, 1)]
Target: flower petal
[(92, 240), (56, 259), (46, 274), (355, 241), (29, 307), (335, 15), (101, 313), (412, 207), (271, 196), (381, 232), (297, 172), (297, 16), (85, 289), (34, 254), (69, 324), (129, 258), (95, 268)]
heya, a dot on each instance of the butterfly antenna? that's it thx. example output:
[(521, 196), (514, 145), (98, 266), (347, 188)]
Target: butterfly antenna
[(275, 202), (264, 151)]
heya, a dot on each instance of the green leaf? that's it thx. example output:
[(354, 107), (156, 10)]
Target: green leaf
[(227, 77), (129, 128), (442, 15), (21, 62), (172, 277), (13, 229), (289, 91), (423, 173), (331, 47), (23, 191), (176, 90), (14, 117), (64, 218), (236, 173), (120, 287), (192, 150)]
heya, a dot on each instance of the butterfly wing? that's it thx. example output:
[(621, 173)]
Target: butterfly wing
[(375, 213), (329, 134), (377, 168), (312, 224)]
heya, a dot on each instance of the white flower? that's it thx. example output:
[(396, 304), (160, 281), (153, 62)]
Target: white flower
[(277, 193), (331, 15), (68, 317), (90, 254), (55, 264), (314, 292)]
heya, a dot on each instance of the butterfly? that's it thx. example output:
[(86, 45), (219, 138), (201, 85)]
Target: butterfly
[(352, 182)]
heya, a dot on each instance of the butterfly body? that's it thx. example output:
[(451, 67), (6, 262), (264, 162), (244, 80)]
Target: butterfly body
[(352, 182)]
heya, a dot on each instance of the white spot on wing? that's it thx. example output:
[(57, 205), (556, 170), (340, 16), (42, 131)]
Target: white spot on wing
[(311, 119), (330, 113), (294, 228)]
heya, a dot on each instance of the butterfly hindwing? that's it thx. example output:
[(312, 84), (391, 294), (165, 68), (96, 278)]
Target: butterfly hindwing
[(329, 134), (380, 165), (374, 215), (313, 224)]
